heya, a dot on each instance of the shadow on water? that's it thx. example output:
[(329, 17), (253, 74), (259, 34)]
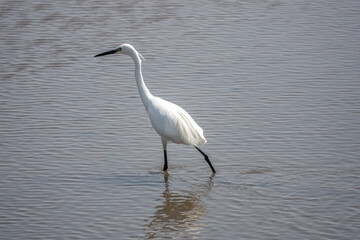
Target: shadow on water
[(179, 213)]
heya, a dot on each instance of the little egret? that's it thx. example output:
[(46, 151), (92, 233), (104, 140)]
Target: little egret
[(170, 121)]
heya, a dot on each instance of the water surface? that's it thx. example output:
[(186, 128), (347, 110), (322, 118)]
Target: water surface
[(274, 84)]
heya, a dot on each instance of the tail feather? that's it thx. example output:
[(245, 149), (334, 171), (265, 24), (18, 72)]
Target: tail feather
[(194, 133)]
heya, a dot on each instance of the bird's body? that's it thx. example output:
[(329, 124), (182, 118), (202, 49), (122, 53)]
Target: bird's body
[(174, 124), (170, 121)]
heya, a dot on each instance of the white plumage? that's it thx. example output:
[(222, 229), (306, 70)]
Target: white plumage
[(174, 124), (169, 120)]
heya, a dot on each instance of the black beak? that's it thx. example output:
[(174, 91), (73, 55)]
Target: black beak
[(106, 53)]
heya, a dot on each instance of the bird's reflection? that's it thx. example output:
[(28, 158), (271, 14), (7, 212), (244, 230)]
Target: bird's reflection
[(179, 214)]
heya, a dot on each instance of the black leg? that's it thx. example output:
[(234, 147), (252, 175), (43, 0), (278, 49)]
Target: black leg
[(165, 161), (206, 159)]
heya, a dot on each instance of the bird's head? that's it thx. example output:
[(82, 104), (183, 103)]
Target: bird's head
[(125, 48)]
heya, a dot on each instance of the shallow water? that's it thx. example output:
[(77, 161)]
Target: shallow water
[(274, 84)]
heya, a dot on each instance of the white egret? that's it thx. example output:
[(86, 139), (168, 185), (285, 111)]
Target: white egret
[(170, 121)]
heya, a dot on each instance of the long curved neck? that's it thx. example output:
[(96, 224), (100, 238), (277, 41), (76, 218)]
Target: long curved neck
[(143, 90)]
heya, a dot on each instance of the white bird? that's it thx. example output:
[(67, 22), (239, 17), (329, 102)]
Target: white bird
[(170, 121)]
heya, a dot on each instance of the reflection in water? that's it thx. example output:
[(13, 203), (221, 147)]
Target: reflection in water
[(179, 214)]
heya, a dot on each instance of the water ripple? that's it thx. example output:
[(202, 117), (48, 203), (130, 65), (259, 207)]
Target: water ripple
[(274, 85)]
